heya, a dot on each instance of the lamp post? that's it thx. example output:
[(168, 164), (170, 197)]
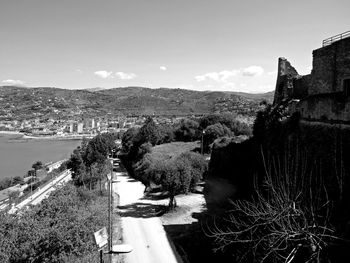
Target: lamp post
[(110, 207), (202, 144), (113, 249)]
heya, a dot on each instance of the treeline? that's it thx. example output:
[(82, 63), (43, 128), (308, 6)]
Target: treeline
[(89, 163), (176, 174), (61, 227), (187, 130)]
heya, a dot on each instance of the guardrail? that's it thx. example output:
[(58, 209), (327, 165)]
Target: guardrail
[(331, 40)]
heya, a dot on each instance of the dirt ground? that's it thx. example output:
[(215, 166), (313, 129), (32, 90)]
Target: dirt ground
[(185, 226)]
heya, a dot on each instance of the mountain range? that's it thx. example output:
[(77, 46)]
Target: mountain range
[(55, 102)]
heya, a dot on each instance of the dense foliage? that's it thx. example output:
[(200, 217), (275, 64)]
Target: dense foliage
[(187, 130), (60, 229), (177, 174), (89, 163)]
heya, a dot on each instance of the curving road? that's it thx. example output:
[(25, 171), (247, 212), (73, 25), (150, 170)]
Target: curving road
[(141, 228)]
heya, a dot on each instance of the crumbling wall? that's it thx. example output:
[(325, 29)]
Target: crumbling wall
[(285, 75)]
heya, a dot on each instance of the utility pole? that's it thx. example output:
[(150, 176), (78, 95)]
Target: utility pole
[(110, 230), (112, 249), (202, 144)]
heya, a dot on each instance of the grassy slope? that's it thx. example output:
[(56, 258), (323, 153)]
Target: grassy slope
[(174, 148)]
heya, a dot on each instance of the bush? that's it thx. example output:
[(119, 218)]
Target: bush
[(56, 230), (178, 174), (287, 220)]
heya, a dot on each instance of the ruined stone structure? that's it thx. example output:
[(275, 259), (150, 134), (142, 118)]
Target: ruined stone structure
[(323, 95)]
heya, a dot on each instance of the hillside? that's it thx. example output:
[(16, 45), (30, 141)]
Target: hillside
[(21, 102)]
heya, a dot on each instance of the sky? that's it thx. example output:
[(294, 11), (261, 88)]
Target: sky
[(219, 45)]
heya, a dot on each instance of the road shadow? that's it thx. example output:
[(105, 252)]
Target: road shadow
[(191, 242), (142, 210), (155, 196), (132, 180)]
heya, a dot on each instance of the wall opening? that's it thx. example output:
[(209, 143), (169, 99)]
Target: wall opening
[(346, 87)]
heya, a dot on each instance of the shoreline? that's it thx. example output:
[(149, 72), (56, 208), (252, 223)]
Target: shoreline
[(58, 138), (53, 137), (11, 132)]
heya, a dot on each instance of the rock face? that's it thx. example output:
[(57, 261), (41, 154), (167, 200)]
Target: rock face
[(323, 95)]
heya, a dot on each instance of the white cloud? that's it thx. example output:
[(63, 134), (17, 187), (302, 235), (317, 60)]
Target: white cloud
[(13, 82), (252, 71), (221, 76), (163, 68), (103, 74), (79, 71), (125, 76)]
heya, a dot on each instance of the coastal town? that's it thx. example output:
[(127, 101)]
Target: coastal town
[(82, 127)]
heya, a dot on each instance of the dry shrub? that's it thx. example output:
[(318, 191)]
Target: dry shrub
[(287, 220)]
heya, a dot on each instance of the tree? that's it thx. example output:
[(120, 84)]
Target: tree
[(180, 174), (213, 132), (13, 195), (166, 133), (37, 166), (77, 166), (175, 179), (187, 130), (99, 171), (17, 180), (89, 162), (229, 120), (149, 132), (129, 138), (5, 183)]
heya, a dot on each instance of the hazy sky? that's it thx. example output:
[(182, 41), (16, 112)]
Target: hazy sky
[(194, 44)]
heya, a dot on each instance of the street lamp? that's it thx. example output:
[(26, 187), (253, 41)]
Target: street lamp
[(110, 207), (113, 249), (202, 144)]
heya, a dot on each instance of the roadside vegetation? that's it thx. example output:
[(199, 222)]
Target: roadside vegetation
[(61, 227), (161, 155)]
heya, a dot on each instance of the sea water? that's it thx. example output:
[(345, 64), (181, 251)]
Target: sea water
[(18, 154)]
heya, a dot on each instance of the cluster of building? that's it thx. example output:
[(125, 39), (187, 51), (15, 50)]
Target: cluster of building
[(82, 126)]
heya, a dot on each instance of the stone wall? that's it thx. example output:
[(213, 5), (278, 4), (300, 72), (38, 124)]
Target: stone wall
[(331, 64), (300, 87), (333, 108)]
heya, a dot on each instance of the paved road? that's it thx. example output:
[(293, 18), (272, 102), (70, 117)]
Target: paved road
[(43, 192), (142, 229)]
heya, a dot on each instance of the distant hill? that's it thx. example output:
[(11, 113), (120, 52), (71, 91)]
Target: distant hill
[(54, 102), (94, 89)]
